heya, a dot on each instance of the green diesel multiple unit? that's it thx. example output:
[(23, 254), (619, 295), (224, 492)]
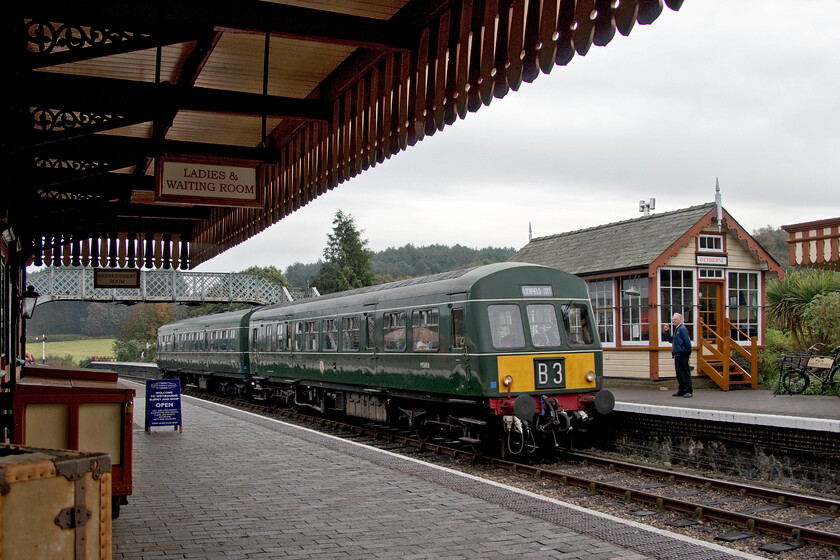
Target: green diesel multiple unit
[(499, 351)]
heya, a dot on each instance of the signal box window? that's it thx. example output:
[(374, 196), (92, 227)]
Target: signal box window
[(506, 326), (458, 328), (393, 330), (424, 329), (350, 334), (707, 243), (542, 321), (577, 324)]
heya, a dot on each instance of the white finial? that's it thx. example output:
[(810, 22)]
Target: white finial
[(529, 232), (718, 204)]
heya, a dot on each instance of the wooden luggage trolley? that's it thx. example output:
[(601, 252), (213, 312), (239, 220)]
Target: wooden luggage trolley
[(78, 409)]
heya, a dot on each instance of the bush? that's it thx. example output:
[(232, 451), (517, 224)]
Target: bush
[(129, 351), (776, 343)]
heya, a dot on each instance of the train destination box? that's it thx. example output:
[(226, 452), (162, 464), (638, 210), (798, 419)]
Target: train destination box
[(54, 504), (81, 410), (163, 403)]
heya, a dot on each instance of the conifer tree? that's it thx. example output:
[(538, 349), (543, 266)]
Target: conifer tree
[(347, 261)]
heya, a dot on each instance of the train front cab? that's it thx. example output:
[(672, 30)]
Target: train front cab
[(541, 361)]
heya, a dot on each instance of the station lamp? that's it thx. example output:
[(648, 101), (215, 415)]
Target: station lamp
[(28, 300)]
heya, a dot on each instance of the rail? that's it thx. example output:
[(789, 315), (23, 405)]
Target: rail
[(77, 284)]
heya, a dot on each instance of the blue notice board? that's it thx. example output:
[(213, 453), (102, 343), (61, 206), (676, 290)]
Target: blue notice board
[(163, 403)]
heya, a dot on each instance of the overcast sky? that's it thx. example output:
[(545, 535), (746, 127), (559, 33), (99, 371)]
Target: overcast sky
[(746, 91)]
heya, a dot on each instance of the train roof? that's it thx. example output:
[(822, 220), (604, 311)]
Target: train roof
[(452, 282), (228, 319)]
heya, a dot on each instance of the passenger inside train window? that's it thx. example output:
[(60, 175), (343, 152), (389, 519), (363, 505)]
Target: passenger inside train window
[(542, 321), (393, 330), (506, 326), (424, 329)]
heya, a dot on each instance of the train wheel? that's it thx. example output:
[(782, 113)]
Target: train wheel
[(423, 430), (795, 382)]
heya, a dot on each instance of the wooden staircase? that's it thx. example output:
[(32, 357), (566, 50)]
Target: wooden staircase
[(714, 358)]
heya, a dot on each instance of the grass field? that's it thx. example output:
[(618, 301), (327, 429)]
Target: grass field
[(78, 349)]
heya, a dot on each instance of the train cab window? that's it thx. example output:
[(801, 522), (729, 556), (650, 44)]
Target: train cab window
[(310, 335), (577, 324), (350, 333), (542, 322), (298, 336), (506, 326), (329, 335), (458, 328), (393, 330), (424, 329)]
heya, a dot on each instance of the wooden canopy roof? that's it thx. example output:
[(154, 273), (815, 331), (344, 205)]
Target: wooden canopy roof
[(315, 92), (815, 244)]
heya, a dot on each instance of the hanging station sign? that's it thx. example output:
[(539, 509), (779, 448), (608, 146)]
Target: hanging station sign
[(116, 278), (208, 182)]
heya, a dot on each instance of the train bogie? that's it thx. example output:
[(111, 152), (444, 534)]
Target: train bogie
[(506, 349)]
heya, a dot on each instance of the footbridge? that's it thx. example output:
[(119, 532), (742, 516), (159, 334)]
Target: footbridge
[(174, 286)]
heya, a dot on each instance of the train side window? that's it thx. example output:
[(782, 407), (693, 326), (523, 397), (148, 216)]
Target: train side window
[(310, 334), (350, 335), (577, 324), (424, 329), (298, 336), (329, 335), (506, 326), (542, 322), (369, 335), (269, 337), (458, 328), (393, 330), (281, 337)]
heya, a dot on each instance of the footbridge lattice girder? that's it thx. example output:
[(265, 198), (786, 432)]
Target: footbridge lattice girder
[(175, 286)]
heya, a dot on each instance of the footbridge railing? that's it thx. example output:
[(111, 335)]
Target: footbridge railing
[(77, 284)]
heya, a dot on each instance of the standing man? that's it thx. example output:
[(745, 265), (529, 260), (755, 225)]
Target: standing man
[(681, 351)]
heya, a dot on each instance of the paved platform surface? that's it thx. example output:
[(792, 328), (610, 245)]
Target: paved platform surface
[(234, 485), (806, 412)]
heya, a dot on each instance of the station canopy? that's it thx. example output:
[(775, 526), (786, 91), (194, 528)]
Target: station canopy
[(161, 133)]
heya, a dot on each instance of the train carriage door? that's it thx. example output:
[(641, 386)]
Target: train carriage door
[(457, 338), (370, 351), (254, 346)]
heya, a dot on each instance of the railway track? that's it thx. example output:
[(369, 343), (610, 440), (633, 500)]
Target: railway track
[(747, 510)]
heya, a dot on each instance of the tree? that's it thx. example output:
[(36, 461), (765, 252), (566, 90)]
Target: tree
[(270, 272), (300, 275), (140, 326), (774, 242), (347, 261)]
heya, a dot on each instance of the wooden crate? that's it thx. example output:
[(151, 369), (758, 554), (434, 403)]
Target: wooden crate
[(54, 504)]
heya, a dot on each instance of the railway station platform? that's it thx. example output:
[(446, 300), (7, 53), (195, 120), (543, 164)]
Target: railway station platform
[(746, 406), (236, 485)]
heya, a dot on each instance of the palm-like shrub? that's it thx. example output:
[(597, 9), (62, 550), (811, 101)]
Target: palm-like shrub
[(788, 303)]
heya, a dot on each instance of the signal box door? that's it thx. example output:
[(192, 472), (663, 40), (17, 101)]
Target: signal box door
[(711, 309)]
